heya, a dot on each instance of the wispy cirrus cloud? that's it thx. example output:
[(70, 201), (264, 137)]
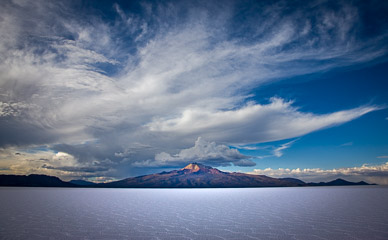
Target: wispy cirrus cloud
[(278, 152), (279, 120), (347, 144)]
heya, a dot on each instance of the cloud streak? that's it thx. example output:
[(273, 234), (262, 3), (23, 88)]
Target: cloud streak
[(278, 152), (278, 120)]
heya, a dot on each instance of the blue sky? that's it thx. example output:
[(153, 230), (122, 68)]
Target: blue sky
[(104, 90), (341, 146)]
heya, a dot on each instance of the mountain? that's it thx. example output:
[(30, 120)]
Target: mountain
[(33, 180), (194, 175), (339, 182), (197, 175), (293, 180), (82, 182)]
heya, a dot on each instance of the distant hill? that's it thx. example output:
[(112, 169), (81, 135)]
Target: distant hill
[(82, 182), (194, 175), (339, 182), (33, 180), (293, 180)]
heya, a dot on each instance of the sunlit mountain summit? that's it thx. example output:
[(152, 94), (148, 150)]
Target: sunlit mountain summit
[(200, 168)]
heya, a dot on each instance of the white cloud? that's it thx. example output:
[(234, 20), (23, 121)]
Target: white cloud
[(382, 157), (371, 173), (246, 147), (204, 152), (347, 144), (66, 79), (278, 152), (254, 123)]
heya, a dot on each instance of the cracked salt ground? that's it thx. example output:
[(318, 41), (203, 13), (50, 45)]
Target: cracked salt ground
[(252, 213)]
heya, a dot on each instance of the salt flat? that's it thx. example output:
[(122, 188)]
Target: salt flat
[(357, 212)]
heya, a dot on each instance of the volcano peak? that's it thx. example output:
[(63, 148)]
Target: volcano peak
[(195, 167)]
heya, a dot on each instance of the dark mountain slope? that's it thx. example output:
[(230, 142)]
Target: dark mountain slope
[(80, 182), (33, 180)]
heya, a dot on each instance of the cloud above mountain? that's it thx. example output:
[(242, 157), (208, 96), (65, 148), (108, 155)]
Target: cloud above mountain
[(203, 152)]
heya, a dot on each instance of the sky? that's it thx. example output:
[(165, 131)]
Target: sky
[(104, 90)]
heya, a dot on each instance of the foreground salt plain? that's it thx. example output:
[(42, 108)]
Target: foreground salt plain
[(357, 212)]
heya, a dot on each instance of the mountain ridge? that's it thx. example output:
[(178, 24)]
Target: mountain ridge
[(194, 175), (33, 180)]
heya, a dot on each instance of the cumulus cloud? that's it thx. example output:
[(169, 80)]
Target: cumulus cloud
[(371, 173), (98, 88), (203, 152), (11, 109)]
